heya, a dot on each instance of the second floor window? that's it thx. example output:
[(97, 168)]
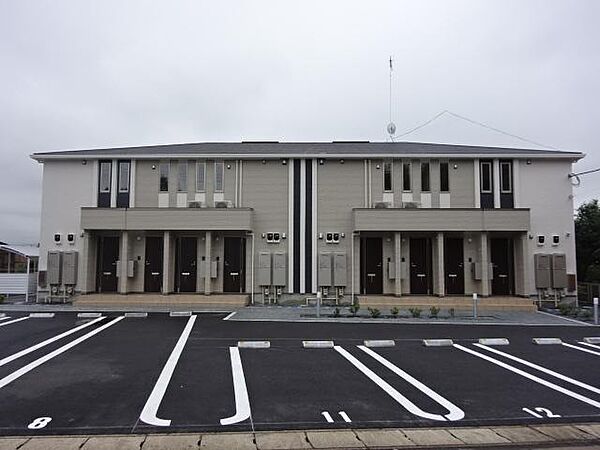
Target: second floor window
[(486, 177), (406, 186), (200, 176), (182, 176), (387, 177), (505, 177), (104, 184), (425, 184), (444, 177), (124, 169), (164, 177), (219, 175)]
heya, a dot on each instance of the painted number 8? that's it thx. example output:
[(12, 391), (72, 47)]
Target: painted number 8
[(38, 423)]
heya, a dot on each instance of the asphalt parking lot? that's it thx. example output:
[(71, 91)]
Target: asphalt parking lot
[(115, 374)]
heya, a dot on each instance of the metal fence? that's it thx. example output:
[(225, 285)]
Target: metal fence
[(586, 293)]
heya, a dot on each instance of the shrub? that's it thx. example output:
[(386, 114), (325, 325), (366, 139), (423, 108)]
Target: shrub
[(451, 312), (566, 309), (2, 298), (585, 314), (395, 311), (433, 312), (375, 313), (336, 312), (354, 309), (415, 312)]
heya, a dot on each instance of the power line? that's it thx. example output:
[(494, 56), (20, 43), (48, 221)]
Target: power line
[(584, 172)]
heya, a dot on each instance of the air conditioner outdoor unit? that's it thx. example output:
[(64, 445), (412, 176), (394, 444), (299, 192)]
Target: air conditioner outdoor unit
[(380, 205), (196, 205), (223, 204), (410, 205)]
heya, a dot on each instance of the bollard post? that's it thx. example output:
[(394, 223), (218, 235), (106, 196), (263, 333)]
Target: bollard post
[(595, 310), (318, 304), (474, 305)]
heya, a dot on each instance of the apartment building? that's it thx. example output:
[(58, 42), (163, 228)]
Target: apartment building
[(274, 219)]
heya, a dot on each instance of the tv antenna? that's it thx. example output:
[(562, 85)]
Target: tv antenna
[(391, 127)]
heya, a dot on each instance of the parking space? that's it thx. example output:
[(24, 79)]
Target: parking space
[(161, 373)]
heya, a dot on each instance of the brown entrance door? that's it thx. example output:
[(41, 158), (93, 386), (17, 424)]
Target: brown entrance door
[(154, 264), (502, 263), (454, 266), (371, 263), (420, 266), (234, 279), (185, 264), (108, 255)]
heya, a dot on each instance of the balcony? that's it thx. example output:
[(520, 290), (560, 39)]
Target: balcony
[(178, 219), (441, 219)]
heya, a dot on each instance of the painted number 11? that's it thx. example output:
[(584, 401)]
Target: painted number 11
[(541, 413)]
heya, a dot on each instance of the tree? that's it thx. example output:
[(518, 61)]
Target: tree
[(587, 235)]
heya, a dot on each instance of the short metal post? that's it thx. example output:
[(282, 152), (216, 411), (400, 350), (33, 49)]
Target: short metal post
[(318, 304), (474, 305), (596, 310)]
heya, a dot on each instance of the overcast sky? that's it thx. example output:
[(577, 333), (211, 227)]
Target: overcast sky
[(83, 74)]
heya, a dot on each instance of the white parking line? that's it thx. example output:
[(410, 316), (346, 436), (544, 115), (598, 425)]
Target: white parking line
[(230, 315), (589, 345), (345, 416), (148, 414), (46, 342), (327, 416), (581, 349), (406, 403), (242, 403), (38, 362), (541, 381), (13, 321), (454, 412), (4, 317), (560, 376)]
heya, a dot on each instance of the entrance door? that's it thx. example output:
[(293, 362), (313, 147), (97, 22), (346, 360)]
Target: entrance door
[(454, 266), (420, 266), (234, 279), (185, 264), (154, 264), (502, 263), (371, 265), (108, 255)]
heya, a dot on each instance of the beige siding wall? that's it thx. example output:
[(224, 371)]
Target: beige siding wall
[(462, 191), (146, 184)]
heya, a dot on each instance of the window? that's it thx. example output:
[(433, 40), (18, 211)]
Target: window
[(200, 176), (182, 176), (387, 177), (124, 167), (406, 186), (486, 177), (104, 185), (219, 174), (164, 177), (4, 261), (18, 263), (444, 177), (505, 177), (425, 177)]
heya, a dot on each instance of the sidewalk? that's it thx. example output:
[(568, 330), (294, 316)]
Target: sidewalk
[(536, 436)]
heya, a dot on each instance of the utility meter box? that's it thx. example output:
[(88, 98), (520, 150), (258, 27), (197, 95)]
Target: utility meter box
[(69, 268), (214, 269), (54, 267), (325, 269), (339, 269), (543, 264), (391, 268), (131, 268), (404, 272), (559, 271), (279, 269), (264, 269), (476, 270)]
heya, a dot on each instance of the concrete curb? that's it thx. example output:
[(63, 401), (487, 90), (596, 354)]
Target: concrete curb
[(582, 434)]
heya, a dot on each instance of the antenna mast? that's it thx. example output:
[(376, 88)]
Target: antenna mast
[(391, 128)]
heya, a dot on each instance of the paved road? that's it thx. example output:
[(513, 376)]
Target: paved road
[(115, 374)]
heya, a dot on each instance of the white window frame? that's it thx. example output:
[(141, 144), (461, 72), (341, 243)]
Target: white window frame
[(221, 165), (391, 167), (123, 164), (491, 176), (510, 176), (108, 165), (201, 168)]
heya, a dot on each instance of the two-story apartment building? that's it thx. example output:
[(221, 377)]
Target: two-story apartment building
[(271, 219)]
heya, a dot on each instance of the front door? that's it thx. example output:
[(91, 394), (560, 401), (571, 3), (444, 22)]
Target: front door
[(420, 266), (185, 264), (454, 266), (371, 265), (108, 255), (502, 264), (154, 264), (234, 278)]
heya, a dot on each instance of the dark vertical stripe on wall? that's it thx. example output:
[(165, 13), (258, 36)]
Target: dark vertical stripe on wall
[(297, 225), (309, 234)]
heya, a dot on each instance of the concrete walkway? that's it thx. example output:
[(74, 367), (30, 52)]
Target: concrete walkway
[(537, 436)]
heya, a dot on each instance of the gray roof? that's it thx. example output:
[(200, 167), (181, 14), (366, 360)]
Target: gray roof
[(298, 149)]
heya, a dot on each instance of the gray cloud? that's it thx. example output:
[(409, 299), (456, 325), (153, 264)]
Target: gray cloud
[(81, 74)]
